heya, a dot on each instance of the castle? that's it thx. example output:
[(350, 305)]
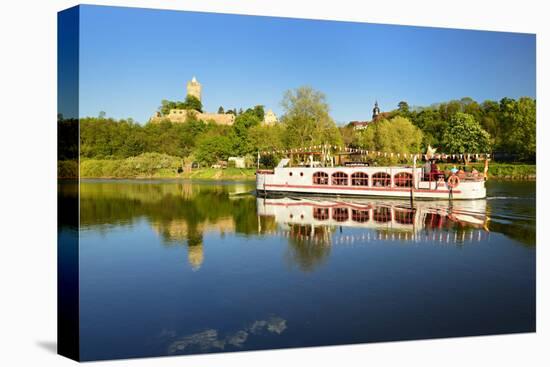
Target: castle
[(194, 88)]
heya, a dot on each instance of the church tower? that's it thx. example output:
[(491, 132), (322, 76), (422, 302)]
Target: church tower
[(375, 111), (194, 89)]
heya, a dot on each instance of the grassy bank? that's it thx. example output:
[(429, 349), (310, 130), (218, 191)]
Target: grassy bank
[(154, 165), (149, 165)]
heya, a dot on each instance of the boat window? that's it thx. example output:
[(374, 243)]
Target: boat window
[(340, 214), (382, 214), (404, 216), (320, 178), (381, 179), (359, 179), (340, 179), (403, 179), (360, 216), (320, 213)]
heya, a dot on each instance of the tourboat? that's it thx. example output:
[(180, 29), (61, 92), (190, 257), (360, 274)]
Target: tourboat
[(356, 179)]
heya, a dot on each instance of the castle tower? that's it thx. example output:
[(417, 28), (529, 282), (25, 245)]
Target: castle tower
[(270, 118), (375, 111), (194, 88)]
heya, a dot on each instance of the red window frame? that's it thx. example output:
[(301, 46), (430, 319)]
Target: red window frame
[(320, 178), (403, 179), (359, 179), (381, 177), (339, 178)]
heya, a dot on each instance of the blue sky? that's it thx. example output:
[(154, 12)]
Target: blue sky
[(131, 59)]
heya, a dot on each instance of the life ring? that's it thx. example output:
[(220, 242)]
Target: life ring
[(453, 181)]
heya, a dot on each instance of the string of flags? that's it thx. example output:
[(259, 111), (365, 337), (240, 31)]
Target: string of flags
[(325, 148)]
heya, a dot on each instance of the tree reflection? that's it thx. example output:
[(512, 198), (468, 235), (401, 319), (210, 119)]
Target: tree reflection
[(308, 246)]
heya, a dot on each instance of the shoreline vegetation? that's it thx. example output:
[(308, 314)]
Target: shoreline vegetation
[(159, 166), (161, 148)]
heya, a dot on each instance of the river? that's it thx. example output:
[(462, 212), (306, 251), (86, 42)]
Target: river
[(174, 267)]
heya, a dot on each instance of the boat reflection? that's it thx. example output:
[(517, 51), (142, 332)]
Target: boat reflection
[(322, 221)]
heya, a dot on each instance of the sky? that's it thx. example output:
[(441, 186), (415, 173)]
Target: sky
[(131, 59)]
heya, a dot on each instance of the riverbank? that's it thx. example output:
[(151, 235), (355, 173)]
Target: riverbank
[(154, 165)]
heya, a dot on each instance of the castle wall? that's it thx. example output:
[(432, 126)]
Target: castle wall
[(179, 116)]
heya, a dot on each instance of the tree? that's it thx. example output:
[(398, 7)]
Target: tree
[(307, 120), (220, 110), (518, 120), (213, 147), (102, 115), (192, 103), (243, 123), (465, 135), (259, 112), (166, 106), (397, 135), (403, 108), (268, 138)]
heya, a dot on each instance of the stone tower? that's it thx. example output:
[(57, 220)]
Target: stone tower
[(375, 111), (194, 89)]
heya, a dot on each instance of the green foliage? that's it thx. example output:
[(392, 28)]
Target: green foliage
[(242, 144), (262, 137), (213, 147), (107, 138), (519, 122), (144, 165), (190, 103), (307, 119), (397, 135), (458, 126), (511, 124), (268, 161), (465, 135), (403, 108)]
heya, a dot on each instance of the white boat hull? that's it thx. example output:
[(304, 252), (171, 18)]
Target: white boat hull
[(301, 180)]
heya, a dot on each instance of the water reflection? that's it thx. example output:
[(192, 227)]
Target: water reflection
[(181, 213), (321, 220), (210, 339), (208, 261)]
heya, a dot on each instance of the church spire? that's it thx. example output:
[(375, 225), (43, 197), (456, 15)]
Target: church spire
[(375, 110)]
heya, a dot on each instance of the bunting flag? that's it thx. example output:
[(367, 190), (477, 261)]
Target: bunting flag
[(326, 149)]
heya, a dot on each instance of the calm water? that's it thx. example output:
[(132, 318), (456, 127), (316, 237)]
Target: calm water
[(169, 268)]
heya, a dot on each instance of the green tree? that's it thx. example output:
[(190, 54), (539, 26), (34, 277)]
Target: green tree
[(243, 123), (518, 120), (166, 106), (259, 112), (213, 147), (403, 108), (266, 138), (192, 103), (465, 135), (220, 110), (307, 120), (397, 135)]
